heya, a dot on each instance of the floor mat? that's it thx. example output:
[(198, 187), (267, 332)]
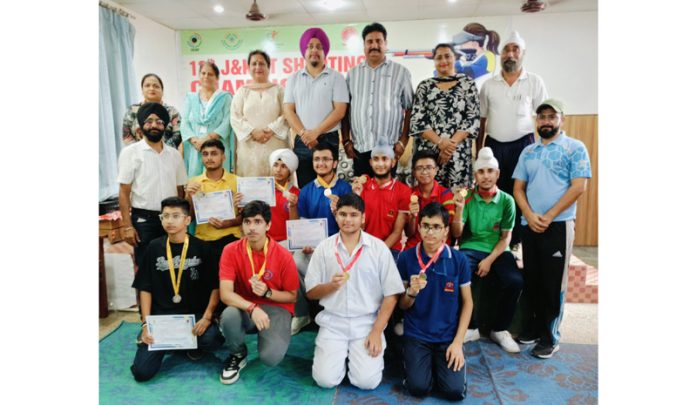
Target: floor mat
[(181, 381)]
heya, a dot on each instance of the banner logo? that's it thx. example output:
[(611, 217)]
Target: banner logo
[(194, 41), (231, 41)]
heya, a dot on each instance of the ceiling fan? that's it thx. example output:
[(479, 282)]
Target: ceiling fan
[(532, 6), (254, 14)]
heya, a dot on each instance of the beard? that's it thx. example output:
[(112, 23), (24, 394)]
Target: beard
[(510, 66), (383, 175), (547, 132), (153, 135), (314, 63)]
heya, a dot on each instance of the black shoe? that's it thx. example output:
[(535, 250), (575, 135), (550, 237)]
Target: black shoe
[(527, 338), (233, 365), (544, 351), (195, 355)]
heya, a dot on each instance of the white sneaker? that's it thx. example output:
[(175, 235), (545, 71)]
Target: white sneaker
[(298, 323), (399, 329), (505, 341), (472, 335)]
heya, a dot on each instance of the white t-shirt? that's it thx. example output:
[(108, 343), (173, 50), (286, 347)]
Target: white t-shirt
[(510, 110), (153, 176)]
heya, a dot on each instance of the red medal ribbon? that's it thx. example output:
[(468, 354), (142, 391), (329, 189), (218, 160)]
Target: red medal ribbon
[(491, 193), (352, 262), (424, 267)]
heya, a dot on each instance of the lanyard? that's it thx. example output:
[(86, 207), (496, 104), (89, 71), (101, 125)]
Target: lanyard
[(251, 259), (436, 256), (176, 280), (323, 183), (491, 193)]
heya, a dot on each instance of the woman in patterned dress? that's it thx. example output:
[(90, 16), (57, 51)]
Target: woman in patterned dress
[(257, 119), (445, 119), (152, 88)]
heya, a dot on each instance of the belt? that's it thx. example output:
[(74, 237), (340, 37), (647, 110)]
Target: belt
[(145, 213)]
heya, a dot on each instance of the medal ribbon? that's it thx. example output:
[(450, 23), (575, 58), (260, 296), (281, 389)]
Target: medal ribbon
[(251, 259), (176, 280), (323, 183), (491, 193), (281, 188), (352, 262), (424, 267)]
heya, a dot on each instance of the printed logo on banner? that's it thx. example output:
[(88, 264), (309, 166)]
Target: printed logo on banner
[(194, 41), (232, 41)]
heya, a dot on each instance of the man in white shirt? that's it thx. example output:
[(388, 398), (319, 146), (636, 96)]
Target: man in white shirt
[(354, 277), (508, 102), (148, 172)]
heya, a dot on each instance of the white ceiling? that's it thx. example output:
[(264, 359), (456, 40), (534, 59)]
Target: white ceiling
[(199, 14)]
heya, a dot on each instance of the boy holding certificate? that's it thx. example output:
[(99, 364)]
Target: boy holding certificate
[(176, 278), (259, 283), (354, 277), (437, 280), (217, 232)]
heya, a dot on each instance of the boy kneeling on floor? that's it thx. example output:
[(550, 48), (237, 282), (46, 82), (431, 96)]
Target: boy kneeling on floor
[(176, 278)]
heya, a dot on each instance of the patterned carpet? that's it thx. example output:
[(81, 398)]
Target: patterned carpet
[(494, 377)]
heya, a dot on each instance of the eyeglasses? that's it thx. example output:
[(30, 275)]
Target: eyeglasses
[(154, 121), (175, 217), (435, 228), (425, 168), (322, 159)]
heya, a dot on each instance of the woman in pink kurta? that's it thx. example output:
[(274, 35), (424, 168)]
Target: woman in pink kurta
[(257, 119)]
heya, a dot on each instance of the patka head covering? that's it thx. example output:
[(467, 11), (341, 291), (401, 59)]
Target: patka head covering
[(286, 156), (317, 33), (485, 160), (152, 108), (383, 150), (515, 38)]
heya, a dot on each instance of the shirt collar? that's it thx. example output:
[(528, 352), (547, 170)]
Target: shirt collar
[(495, 200), (385, 64), (523, 76), (362, 241), (433, 193), (226, 176), (324, 71), (447, 251), (331, 185), (561, 137), (145, 146)]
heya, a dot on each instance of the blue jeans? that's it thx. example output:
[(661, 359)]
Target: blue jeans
[(305, 169), (146, 363), (509, 280), (421, 359)]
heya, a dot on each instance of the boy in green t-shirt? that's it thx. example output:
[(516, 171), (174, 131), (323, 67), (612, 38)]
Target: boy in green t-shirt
[(487, 218)]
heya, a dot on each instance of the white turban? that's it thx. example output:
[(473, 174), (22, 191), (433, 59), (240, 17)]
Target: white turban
[(515, 38), (286, 156), (485, 160)]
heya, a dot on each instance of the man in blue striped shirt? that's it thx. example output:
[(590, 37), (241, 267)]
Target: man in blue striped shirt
[(381, 96)]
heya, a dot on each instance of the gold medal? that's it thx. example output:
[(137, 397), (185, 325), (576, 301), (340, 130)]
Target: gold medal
[(327, 192), (463, 192), (176, 279), (414, 198), (176, 299), (362, 179), (422, 276), (346, 275)]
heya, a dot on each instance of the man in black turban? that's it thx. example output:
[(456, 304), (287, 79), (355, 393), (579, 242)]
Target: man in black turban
[(156, 117)]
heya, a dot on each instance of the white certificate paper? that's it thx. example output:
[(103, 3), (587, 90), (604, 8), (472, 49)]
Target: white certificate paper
[(306, 232), (172, 332), (257, 188), (215, 204)]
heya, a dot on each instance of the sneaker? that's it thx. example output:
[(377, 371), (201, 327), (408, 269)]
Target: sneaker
[(195, 355), (233, 365), (472, 335), (544, 351), (527, 338), (298, 323), (399, 329), (505, 341)]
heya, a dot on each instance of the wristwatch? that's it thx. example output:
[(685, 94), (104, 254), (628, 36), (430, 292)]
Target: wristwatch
[(268, 294)]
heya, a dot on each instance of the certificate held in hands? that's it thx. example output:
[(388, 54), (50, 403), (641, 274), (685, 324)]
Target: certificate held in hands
[(172, 332), (215, 204), (256, 188), (306, 232)]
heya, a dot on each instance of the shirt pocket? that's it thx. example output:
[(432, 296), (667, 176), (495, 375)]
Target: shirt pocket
[(524, 105)]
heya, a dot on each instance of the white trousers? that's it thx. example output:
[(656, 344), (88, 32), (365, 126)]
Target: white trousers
[(330, 353)]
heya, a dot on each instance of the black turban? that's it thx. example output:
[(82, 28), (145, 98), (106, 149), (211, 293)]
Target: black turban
[(152, 108)]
